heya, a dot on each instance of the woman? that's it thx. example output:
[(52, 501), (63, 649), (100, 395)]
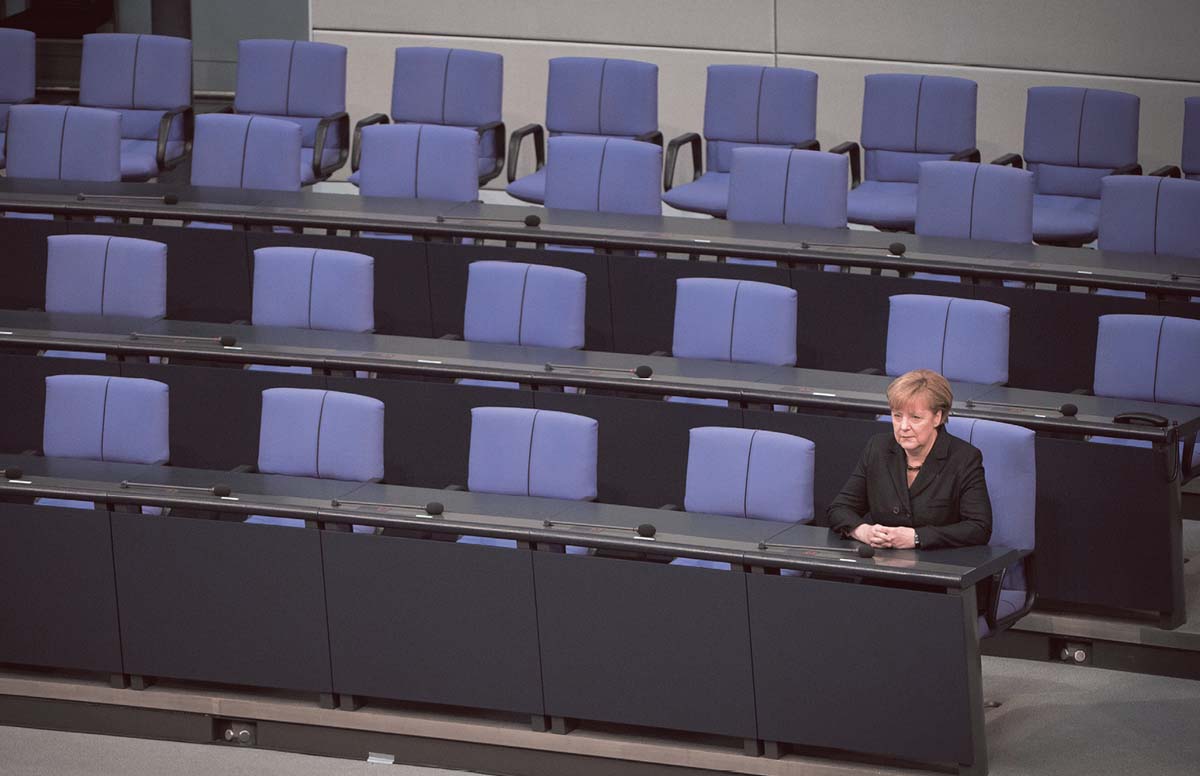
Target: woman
[(917, 486)]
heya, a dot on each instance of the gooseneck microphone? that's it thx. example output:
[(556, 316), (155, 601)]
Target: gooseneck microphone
[(532, 220), (165, 199), (895, 249), (225, 340), (1067, 410), (220, 491), (862, 550), (642, 371), (433, 508), (643, 531)]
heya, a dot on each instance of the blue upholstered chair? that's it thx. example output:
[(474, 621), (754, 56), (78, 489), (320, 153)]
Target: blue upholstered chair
[(91, 274), (778, 186), (1010, 466), (745, 106), (100, 418), (742, 472), (450, 87), (526, 452), (419, 161), (588, 96), (148, 80), (907, 119), (60, 142), (603, 175), (18, 65), (1149, 358), (1150, 215), (964, 339), (329, 435), (1074, 137), (304, 83), (734, 320), (246, 152)]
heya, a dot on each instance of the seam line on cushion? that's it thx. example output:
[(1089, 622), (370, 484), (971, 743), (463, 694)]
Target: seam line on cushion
[(746, 479), (104, 274), (945, 328), (787, 177), (245, 143), (62, 138), (521, 307), (1079, 133), (600, 173), (733, 317), (104, 415), (600, 99), (445, 79), (287, 95), (762, 71), (1157, 200), (320, 421), (137, 50), (312, 271), (529, 455), (971, 211), (1157, 352), (917, 116), (417, 164)]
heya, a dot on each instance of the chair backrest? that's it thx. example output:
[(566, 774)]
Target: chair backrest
[(596, 96), (604, 175), (102, 275), (139, 75), (525, 304), (1076, 136), (419, 161), (327, 434), (975, 202), (746, 473), (735, 320), (778, 186), (1190, 158), (752, 105), (964, 339), (1148, 358), (526, 452), (909, 119), (312, 288), (1010, 469), (18, 65), (60, 142), (1142, 214), (455, 87), (107, 419), (246, 152)]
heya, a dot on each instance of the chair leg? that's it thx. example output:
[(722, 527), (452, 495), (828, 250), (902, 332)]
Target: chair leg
[(561, 725), (140, 682)]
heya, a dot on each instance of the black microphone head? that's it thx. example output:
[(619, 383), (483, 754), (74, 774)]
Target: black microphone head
[(533, 220), (170, 199), (643, 371), (762, 545), (866, 551), (897, 249), (546, 524), (227, 341), (440, 219), (13, 473), (80, 197), (434, 508), (646, 531), (221, 491), (1069, 410)]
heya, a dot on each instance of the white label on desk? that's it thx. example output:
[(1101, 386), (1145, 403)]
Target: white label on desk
[(427, 361), (698, 240), (847, 560), (20, 482), (381, 759), (229, 498), (231, 347), (823, 393), (5, 332), (1084, 272)]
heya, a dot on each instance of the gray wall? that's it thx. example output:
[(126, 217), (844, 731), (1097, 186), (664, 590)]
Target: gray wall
[(217, 26), (1148, 48)]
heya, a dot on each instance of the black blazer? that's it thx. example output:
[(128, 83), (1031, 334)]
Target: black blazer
[(948, 503)]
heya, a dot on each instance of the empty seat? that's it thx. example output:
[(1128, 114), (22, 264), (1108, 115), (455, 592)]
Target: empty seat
[(450, 87), (419, 161), (305, 83), (588, 96), (1152, 358), (325, 434), (148, 80), (745, 106), (525, 304), (60, 142), (735, 320), (907, 119), (18, 65), (963, 339), (603, 175), (975, 202), (1150, 215), (246, 152)]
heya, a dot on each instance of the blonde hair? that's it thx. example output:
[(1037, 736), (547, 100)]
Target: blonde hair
[(926, 384)]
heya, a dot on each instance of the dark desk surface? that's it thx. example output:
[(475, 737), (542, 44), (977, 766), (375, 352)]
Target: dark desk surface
[(672, 376), (1161, 274)]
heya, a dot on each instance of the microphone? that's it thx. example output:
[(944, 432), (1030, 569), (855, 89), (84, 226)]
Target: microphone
[(1067, 410), (13, 473), (642, 371), (225, 340), (532, 220), (862, 550), (643, 531), (219, 490), (166, 199), (433, 508), (895, 249)]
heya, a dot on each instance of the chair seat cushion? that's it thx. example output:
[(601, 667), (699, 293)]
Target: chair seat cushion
[(139, 158), (707, 194), (531, 188), (307, 178), (883, 204), (90, 356), (488, 541), (1069, 220), (697, 563)]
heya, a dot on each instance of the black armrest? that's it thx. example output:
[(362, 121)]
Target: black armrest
[(496, 128), (851, 148), (164, 134), (1189, 449), (450, 336), (997, 624), (514, 148), (807, 145), (356, 153), (692, 139), (670, 507), (967, 155), (1082, 392), (1166, 171), (245, 468), (1010, 159), (321, 172), (655, 137), (1129, 169), (870, 371)]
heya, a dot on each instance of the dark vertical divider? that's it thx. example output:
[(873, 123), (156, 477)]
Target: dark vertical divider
[(23, 261)]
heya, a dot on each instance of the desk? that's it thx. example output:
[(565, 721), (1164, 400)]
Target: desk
[(587, 637)]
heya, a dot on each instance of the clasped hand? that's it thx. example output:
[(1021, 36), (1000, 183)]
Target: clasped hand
[(886, 536)]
